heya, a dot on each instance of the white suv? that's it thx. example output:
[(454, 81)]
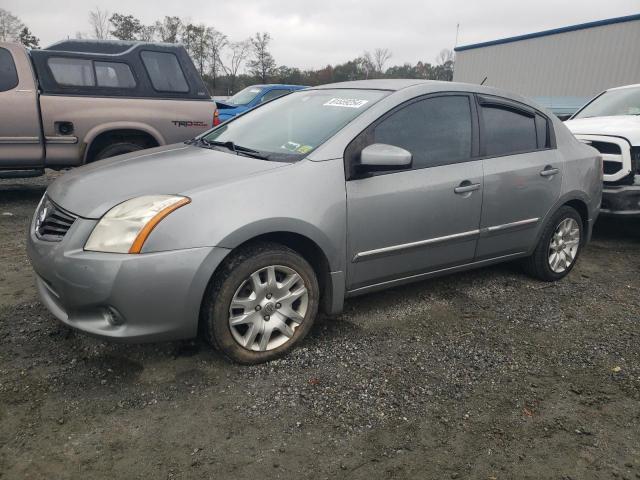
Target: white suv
[(611, 123)]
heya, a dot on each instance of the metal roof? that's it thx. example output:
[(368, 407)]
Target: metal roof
[(581, 26)]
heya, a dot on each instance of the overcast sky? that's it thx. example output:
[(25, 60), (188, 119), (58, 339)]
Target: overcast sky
[(314, 33)]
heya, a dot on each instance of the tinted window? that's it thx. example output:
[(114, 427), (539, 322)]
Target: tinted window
[(437, 131), (273, 94), (111, 74), (165, 72), (507, 132), (8, 73), (542, 131), (72, 71)]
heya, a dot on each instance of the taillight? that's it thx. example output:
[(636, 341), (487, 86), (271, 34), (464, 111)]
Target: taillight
[(216, 118)]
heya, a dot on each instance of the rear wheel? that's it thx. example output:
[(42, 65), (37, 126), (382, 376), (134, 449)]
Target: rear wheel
[(261, 304), (558, 248)]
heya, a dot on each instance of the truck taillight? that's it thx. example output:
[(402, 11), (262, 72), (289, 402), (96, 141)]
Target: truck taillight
[(216, 118)]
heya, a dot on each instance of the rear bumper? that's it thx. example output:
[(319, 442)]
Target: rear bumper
[(135, 298), (623, 201)]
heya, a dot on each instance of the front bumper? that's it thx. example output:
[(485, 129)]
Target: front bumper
[(143, 297), (621, 201)]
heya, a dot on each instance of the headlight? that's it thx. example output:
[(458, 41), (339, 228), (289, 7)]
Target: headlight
[(125, 227)]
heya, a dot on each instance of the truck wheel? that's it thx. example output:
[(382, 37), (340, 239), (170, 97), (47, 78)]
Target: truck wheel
[(261, 304), (559, 246), (119, 148)]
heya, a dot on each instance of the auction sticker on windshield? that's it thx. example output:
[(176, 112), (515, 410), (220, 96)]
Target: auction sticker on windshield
[(345, 102)]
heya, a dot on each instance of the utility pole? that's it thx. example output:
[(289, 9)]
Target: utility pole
[(457, 33)]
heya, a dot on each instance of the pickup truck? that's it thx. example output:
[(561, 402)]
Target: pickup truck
[(78, 101), (611, 124)]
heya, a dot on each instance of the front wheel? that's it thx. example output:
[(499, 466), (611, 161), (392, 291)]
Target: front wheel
[(559, 246), (261, 304)]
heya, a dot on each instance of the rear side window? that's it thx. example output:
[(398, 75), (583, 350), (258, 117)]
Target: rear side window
[(437, 131), (507, 131), (272, 94), (8, 72), (114, 74), (74, 72), (165, 72)]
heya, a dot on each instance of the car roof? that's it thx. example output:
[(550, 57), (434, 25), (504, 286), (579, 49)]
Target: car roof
[(423, 87), (635, 85), (276, 85)]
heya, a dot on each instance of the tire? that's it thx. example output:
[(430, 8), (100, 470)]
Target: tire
[(260, 338), (119, 148), (542, 262)]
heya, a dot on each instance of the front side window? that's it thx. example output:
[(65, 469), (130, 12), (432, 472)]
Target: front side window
[(624, 101), (292, 127), (73, 72), (8, 72), (507, 131), (114, 75), (273, 94), (437, 131), (165, 72)]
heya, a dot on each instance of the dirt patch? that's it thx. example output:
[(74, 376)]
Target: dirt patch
[(486, 374)]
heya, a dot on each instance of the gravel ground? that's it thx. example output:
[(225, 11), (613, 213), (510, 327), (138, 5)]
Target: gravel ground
[(481, 375)]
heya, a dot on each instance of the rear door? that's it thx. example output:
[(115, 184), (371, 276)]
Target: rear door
[(20, 132), (522, 175), (408, 222)]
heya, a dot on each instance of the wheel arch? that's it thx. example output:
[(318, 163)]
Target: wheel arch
[(100, 136)]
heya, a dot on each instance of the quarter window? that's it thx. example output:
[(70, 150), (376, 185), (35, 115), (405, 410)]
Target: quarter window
[(437, 131), (165, 72), (114, 74), (507, 131), (74, 72), (8, 72)]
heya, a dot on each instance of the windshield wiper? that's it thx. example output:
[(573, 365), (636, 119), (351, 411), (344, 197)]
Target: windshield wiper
[(237, 149)]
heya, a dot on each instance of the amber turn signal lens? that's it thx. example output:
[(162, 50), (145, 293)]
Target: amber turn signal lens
[(136, 247)]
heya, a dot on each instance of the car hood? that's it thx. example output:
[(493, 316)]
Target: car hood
[(90, 191), (626, 126)]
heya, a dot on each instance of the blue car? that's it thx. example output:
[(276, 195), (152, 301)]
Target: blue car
[(251, 97)]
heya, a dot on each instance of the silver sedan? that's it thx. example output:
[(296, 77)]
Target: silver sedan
[(245, 232)]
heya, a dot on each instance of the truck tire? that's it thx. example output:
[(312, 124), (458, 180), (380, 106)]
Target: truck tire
[(119, 148)]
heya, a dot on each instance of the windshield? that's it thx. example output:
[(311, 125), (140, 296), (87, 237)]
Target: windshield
[(245, 96), (625, 101), (292, 127)]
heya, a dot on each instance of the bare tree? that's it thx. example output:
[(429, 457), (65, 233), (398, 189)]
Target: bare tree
[(262, 63), (380, 57), (10, 26), (236, 56), (170, 29), (99, 21), (216, 43), (445, 56), (365, 65), (147, 33)]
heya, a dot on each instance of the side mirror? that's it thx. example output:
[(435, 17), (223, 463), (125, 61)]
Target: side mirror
[(380, 156)]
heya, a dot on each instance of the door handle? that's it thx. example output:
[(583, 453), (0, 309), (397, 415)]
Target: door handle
[(549, 171), (466, 187)]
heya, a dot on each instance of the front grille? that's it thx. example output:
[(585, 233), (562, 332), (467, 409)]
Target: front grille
[(52, 222), (616, 157)]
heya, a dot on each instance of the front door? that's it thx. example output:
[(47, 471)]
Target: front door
[(405, 223), (20, 137)]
